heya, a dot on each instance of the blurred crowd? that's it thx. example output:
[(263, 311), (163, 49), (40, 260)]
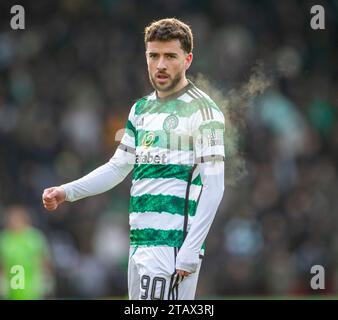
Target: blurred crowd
[(67, 83)]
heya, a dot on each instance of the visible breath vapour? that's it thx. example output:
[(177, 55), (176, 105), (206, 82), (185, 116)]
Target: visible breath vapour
[(234, 105)]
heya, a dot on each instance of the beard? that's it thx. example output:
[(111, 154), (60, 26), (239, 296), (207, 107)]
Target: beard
[(167, 87)]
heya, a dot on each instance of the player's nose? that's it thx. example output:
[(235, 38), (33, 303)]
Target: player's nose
[(161, 64)]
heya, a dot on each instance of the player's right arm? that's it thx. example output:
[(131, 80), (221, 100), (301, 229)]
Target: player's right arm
[(102, 178)]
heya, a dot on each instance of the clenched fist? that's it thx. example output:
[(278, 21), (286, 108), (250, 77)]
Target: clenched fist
[(52, 197)]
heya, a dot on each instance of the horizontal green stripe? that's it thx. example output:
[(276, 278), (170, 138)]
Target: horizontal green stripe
[(140, 105), (153, 171), (161, 203), (178, 107), (151, 106), (170, 141), (212, 125), (155, 237)]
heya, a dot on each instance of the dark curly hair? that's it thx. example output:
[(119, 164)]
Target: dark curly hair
[(169, 29)]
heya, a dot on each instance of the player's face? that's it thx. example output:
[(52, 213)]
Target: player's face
[(167, 64), (17, 219)]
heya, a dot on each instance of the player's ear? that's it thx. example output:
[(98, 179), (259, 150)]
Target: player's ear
[(188, 60)]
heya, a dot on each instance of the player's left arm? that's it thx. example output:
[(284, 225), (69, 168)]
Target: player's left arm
[(209, 153), (212, 176)]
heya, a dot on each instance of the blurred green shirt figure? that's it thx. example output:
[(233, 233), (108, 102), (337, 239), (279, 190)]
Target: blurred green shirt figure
[(24, 257)]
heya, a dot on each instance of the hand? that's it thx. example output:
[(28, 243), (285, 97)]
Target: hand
[(52, 197), (187, 261), (182, 272)]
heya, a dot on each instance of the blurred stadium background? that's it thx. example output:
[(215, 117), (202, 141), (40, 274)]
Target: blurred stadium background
[(67, 83)]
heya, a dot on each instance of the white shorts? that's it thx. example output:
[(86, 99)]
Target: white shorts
[(152, 275)]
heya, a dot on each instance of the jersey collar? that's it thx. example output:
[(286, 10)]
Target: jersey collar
[(175, 94)]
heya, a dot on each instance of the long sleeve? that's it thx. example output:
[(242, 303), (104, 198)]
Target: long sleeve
[(102, 178), (111, 173), (212, 175)]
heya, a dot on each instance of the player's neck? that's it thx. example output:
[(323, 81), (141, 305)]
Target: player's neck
[(179, 87)]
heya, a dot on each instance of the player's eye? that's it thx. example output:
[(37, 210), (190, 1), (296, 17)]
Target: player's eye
[(153, 55), (171, 56)]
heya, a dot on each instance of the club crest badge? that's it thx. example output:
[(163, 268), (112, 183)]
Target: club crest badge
[(148, 139), (170, 122)]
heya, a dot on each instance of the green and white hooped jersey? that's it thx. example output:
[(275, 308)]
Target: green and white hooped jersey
[(169, 137)]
